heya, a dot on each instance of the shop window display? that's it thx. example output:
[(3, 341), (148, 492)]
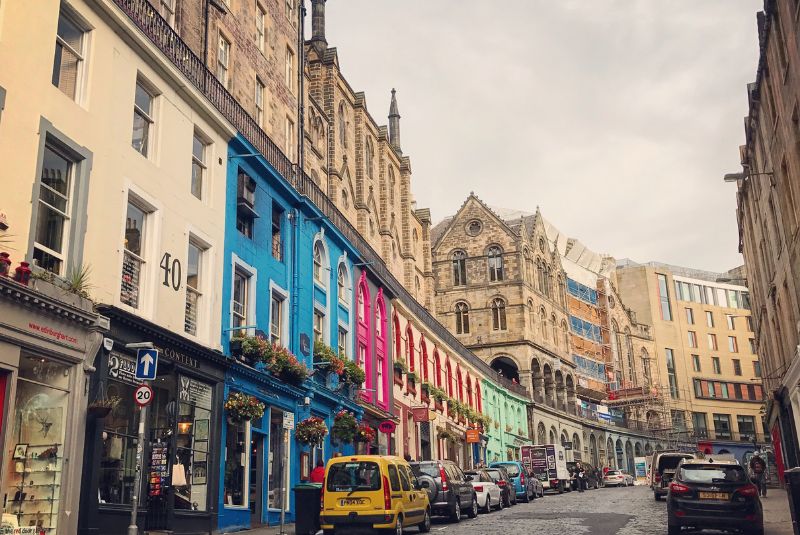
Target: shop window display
[(33, 484), (236, 453)]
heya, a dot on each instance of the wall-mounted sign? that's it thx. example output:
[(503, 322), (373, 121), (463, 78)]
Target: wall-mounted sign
[(473, 436), (422, 414), (387, 427), (305, 344)]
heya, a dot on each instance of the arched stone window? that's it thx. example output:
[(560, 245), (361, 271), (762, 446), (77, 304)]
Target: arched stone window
[(498, 314), (345, 201), (462, 318), (459, 268), (342, 125), (369, 157), (646, 367), (565, 334), (615, 351), (540, 275), (532, 316), (343, 284), (631, 359), (560, 291), (495, 260), (541, 434), (528, 272)]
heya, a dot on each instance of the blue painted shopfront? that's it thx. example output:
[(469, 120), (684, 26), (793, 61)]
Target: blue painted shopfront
[(277, 286)]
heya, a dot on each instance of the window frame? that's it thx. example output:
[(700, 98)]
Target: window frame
[(80, 23), (222, 70), (200, 162), (148, 116), (149, 210), (258, 99), (261, 27), (196, 290), (289, 80)]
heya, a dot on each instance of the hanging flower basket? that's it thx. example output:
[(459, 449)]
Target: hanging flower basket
[(353, 375), (365, 433), (286, 366), (101, 407), (344, 427), (243, 407), (326, 358), (311, 431)]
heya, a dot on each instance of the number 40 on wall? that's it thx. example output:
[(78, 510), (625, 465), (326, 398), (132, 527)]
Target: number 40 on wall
[(172, 271)]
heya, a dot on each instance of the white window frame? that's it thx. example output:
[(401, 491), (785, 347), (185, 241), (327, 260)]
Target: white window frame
[(68, 13), (202, 284), (148, 116), (53, 146), (260, 91), (167, 6), (261, 27), (290, 133), (283, 296), (252, 283), (345, 291), (289, 74), (343, 328), (223, 59), (201, 162), (152, 231)]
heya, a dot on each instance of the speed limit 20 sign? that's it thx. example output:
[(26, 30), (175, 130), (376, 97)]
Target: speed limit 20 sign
[(143, 395)]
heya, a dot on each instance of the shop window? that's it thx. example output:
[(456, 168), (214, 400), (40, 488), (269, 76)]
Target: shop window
[(190, 465), (276, 457), (236, 459), (33, 470)]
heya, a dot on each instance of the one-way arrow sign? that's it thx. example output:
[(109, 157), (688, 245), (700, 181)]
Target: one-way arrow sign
[(146, 364)]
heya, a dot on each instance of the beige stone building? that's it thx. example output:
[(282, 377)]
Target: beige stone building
[(705, 351), (768, 213)]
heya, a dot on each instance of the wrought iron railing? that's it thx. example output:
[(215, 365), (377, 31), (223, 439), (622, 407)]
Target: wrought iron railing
[(150, 22)]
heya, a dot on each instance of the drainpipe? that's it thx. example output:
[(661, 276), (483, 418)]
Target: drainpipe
[(205, 34)]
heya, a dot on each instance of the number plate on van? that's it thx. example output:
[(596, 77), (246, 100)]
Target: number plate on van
[(344, 502)]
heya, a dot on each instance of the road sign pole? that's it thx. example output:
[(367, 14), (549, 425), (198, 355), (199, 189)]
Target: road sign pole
[(133, 528)]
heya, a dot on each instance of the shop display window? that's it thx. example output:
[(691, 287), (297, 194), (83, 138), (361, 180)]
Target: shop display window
[(236, 459), (33, 482)]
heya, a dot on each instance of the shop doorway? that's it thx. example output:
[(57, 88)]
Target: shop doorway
[(256, 480), (276, 468)]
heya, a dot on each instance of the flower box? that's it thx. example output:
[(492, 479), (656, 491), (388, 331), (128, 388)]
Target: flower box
[(411, 387), (438, 405), (398, 377), (423, 395)]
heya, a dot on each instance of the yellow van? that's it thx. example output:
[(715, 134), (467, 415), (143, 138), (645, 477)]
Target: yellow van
[(375, 493)]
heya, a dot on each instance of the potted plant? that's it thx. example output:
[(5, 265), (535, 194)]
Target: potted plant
[(399, 366), (311, 431), (102, 406), (327, 359), (241, 406), (353, 375), (286, 366), (344, 427), (365, 433)]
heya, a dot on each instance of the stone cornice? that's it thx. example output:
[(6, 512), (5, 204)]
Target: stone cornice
[(28, 297)]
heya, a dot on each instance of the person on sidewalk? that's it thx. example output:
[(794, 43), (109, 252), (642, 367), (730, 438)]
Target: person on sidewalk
[(318, 473), (758, 474), (580, 477)]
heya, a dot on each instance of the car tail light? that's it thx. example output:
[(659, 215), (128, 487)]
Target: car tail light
[(677, 488), (478, 488), (501, 483), (387, 494), (521, 478), (751, 491), (322, 498), (444, 478)]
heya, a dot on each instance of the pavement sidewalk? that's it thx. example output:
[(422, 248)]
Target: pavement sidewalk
[(288, 529), (777, 518)]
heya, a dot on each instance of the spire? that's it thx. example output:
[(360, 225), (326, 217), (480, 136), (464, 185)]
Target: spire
[(318, 24), (394, 124)]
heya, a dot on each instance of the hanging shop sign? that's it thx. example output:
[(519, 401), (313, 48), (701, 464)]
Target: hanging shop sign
[(195, 392), (423, 414), (387, 427), (473, 436)]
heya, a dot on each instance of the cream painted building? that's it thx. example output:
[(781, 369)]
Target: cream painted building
[(705, 349), (116, 163)]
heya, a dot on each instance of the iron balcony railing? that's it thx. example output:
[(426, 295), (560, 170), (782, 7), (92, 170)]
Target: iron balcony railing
[(158, 30), (131, 278)]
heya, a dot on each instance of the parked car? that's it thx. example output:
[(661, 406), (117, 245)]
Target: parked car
[(662, 470), (711, 494), (590, 474), (523, 484), (489, 493), (503, 480), (449, 492), (617, 478), (356, 486)]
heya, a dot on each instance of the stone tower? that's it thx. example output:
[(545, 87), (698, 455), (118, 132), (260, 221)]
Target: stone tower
[(394, 124)]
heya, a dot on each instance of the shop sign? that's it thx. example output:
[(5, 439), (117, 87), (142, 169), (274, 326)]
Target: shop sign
[(387, 427), (422, 414), (473, 436), (288, 420), (122, 368), (26, 530), (305, 344), (178, 357), (195, 392)]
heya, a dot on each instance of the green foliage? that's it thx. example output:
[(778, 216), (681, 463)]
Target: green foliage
[(78, 280), (400, 366), (344, 427), (353, 375)]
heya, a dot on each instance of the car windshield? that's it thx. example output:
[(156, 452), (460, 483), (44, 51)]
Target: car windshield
[(426, 469), (495, 474), (669, 462), (363, 475), (705, 473), (512, 469), (612, 473)]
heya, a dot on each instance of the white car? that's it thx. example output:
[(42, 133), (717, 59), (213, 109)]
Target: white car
[(617, 478), (489, 493)]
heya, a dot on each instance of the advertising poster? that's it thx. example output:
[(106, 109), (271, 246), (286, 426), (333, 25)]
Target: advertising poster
[(641, 468)]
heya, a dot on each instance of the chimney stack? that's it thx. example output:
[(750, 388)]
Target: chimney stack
[(318, 24)]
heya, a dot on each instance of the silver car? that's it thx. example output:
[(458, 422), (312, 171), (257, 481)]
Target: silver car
[(617, 478), (489, 494)]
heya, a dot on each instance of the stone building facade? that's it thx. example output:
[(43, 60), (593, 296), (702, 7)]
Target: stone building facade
[(500, 288), (768, 213)]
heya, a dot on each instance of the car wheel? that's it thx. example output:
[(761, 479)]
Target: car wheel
[(455, 516), (487, 508), (425, 527), (473, 510), (398, 527), (673, 529), (526, 498), (500, 504)]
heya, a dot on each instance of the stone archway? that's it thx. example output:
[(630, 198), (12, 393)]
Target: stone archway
[(593, 457), (553, 435), (648, 449), (506, 367), (561, 391), (541, 434), (577, 448), (537, 378), (549, 386), (637, 449), (571, 400), (611, 457), (629, 464), (619, 454)]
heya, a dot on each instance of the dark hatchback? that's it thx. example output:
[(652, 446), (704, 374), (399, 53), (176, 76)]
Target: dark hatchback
[(449, 492), (713, 495), (499, 475)]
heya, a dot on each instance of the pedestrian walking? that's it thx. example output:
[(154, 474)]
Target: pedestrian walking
[(580, 474), (758, 474), (318, 474)]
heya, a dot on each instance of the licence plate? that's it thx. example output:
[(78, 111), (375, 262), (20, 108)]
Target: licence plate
[(714, 496), (344, 502)]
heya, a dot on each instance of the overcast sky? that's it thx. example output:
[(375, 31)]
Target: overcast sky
[(617, 117)]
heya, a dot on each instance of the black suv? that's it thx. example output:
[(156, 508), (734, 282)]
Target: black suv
[(449, 492), (708, 494)]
